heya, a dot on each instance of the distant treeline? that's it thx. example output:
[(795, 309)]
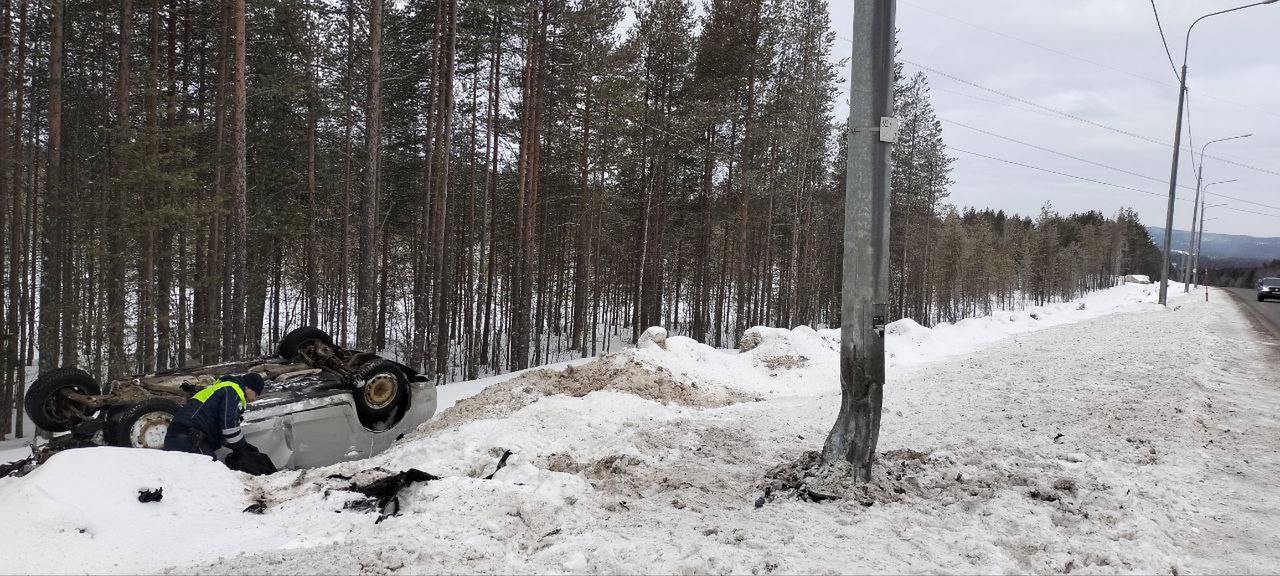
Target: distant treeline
[(1241, 276), (947, 264)]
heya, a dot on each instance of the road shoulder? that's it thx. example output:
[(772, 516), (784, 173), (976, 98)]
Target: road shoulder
[(1259, 321)]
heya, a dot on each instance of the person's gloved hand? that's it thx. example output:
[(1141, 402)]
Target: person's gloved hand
[(246, 457), (244, 446)]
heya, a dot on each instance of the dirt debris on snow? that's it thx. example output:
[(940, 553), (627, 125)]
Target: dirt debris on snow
[(904, 475), (896, 475), (618, 372)]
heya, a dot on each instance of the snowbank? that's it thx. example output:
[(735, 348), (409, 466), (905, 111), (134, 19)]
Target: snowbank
[(449, 394), (1073, 450), (800, 361), (909, 343), (1078, 450), (79, 512)]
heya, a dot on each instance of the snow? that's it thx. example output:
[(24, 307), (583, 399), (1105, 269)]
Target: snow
[(1079, 442), (910, 343), (14, 449), (449, 394), (83, 504), (18, 448)]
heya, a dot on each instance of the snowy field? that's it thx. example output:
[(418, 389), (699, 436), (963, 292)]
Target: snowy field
[(1115, 437)]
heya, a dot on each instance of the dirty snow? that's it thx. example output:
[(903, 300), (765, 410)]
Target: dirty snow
[(449, 394), (1081, 447)]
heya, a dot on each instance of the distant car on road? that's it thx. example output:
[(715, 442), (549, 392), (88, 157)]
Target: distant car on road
[(1268, 288), (322, 404)]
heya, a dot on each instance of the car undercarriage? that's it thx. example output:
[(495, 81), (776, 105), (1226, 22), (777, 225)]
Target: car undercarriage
[(321, 403)]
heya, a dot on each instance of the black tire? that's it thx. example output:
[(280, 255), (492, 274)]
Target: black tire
[(141, 425), (49, 409), (296, 338), (381, 393)]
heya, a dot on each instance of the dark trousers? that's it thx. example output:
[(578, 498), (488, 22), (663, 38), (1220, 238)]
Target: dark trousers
[(181, 438)]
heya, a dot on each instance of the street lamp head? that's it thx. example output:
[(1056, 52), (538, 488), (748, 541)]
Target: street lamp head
[(1236, 137)]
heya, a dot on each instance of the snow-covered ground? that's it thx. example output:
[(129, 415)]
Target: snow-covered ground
[(16, 448), (1124, 437)]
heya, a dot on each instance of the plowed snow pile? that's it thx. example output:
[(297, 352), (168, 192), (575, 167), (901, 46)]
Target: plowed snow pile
[(1082, 448)]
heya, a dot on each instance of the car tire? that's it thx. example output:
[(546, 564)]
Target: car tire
[(381, 392), (141, 425), (298, 337), (46, 405)]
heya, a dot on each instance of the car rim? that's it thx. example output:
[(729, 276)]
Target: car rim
[(149, 430), (380, 391)]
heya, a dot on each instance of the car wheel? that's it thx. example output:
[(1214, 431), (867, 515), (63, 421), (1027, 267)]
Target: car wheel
[(299, 337), (141, 425), (48, 406), (381, 391)]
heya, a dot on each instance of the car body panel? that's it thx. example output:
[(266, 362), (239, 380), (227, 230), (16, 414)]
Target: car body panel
[(324, 428)]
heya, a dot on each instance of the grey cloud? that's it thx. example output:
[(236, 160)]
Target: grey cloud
[(1234, 78)]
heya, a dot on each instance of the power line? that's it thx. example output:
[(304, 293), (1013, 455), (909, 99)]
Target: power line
[(1055, 172), (1160, 28), (1093, 180), (1030, 43), (1038, 108), (1181, 85), (1077, 118), (1059, 153), (1067, 115), (1004, 103), (1220, 195), (1082, 59), (1095, 162)]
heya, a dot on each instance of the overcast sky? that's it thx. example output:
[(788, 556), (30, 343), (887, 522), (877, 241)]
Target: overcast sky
[(1102, 61)]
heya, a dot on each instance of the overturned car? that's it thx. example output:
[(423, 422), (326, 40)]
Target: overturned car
[(322, 403)]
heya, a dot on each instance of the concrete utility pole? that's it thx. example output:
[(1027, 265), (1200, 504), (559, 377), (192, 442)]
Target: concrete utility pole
[(1191, 242), (1199, 234), (1173, 186), (1199, 238), (1192, 245), (865, 280), (1177, 147)]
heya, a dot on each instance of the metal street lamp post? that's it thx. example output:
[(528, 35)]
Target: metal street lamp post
[(1191, 241), (1195, 259), (1200, 237), (1177, 147)]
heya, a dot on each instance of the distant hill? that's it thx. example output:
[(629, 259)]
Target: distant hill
[(1238, 250)]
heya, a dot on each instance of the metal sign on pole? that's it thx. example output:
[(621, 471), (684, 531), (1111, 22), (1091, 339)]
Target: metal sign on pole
[(865, 278)]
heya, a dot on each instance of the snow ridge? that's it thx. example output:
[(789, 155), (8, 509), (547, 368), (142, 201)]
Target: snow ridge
[(1074, 449)]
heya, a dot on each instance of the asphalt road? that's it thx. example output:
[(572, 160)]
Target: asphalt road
[(1267, 313)]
